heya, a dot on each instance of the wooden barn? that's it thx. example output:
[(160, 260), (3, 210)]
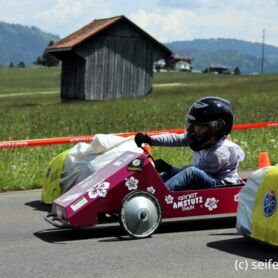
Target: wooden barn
[(108, 59)]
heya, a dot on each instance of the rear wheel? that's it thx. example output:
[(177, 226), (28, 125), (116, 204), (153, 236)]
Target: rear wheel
[(140, 214)]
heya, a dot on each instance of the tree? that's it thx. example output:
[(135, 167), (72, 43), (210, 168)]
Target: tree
[(237, 71), (21, 64), (39, 61), (11, 65), (48, 59)]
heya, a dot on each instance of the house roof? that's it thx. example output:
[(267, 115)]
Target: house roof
[(93, 28), (178, 57)]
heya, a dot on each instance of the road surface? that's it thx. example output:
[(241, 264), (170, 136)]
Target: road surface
[(30, 247)]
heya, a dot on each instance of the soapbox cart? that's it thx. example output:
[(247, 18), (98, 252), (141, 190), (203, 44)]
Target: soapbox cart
[(130, 190)]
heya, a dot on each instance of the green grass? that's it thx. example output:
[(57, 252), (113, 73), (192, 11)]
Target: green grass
[(26, 80), (31, 116)]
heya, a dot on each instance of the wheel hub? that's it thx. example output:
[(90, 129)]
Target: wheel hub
[(140, 214)]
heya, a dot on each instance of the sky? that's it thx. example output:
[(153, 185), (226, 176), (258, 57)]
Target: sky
[(165, 20)]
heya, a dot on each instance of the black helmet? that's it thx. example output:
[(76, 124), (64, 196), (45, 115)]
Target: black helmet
[(212, 112)]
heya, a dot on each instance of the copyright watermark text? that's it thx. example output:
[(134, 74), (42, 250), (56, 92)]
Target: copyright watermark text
[(245, 265)]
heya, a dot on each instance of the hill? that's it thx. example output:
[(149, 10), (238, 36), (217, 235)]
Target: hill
[(24, 44), (229, 52), (21, 43)]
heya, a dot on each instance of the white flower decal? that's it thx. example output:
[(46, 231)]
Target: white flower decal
[(211, 203), (99, 189), (131, 183), (151, 189), (169, 199)]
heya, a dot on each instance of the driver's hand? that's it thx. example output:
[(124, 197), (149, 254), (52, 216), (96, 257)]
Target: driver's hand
[(162, 166), (141, 138)]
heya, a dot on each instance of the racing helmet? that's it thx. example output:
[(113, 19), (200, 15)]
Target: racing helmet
[(208, 120)]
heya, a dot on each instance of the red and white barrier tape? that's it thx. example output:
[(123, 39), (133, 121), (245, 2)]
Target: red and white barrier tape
[(88, 138)]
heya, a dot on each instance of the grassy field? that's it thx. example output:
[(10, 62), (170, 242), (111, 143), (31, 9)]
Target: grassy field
[(30, 108)]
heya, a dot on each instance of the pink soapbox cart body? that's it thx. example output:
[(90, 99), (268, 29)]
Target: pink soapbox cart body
[(130, 190)]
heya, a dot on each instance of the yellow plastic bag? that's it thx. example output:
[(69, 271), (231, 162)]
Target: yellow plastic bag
[(265, 211), (51, 188)]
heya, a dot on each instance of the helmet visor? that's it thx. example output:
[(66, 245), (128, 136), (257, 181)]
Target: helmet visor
[(201, 129), (198, 130)]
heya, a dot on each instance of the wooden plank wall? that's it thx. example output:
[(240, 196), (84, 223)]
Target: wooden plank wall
[(118, 64), (73, 76)]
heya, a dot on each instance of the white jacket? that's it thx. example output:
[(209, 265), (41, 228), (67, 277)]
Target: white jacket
[(220, 160)]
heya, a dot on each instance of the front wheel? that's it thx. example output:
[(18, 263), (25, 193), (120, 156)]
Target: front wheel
[(140, 214)]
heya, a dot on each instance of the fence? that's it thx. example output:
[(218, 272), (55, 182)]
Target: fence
[(88, 138)]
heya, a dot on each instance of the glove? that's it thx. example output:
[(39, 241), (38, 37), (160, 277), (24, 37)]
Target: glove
[(141, 138), (162, 166)]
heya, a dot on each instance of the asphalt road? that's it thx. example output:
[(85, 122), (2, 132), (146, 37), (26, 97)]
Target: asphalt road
[(30, 247)]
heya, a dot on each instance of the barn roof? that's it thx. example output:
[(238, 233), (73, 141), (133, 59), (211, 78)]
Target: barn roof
[(93, 28)]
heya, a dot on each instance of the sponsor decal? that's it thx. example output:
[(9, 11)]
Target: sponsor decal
[(99, 190), (79, 203), (151, 189), (211, 203), (71, 197), (199, 105), (190, 117), (188, 201), (236, 198), (191, 201), (136, 165), (123, 159), (131, 183), (269, 203), (169, 199)]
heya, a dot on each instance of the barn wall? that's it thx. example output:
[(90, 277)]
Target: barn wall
[(73, 76), (118, 63)]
